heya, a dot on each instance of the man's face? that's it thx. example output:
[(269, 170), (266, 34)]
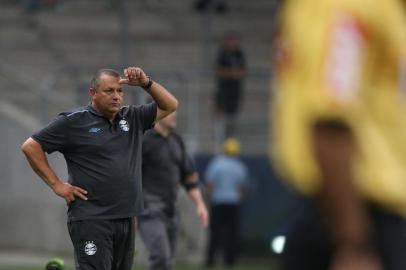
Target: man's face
[(169, 122), (108, 97)]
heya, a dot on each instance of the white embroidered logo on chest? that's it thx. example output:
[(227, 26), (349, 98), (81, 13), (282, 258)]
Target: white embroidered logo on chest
[(124, 125)]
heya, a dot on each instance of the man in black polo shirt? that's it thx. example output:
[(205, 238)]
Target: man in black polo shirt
[(165, 165), (102, 146)]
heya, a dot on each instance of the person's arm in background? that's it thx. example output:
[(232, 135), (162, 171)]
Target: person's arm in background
[(209, 176), (190, 181), (334, 145), (166, 102), (191, 184), (244, 178), (349, 223), (39, 163), (230, 73)]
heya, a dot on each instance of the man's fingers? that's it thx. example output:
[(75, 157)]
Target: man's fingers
[(130, 72), (142, 75), (134, 76), (133, 73), (80, 192), (204, 220), (70, 198), (123, 81), (80, 195), (203, 217)]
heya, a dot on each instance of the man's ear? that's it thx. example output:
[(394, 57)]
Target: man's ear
[(92, 92)]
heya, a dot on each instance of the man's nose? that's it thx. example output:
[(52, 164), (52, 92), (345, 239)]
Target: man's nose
[(116, 95)]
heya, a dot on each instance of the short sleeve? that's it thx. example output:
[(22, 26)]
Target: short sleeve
[(54, 137), (187, 169), (146, 115), (188, 166)]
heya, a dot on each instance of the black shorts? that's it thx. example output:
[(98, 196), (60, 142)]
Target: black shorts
[(103, 244)]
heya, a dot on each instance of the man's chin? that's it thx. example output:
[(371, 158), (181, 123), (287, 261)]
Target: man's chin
[(115, 109)]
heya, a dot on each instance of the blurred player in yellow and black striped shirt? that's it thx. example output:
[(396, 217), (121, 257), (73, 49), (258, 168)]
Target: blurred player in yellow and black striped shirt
[(339, 130)]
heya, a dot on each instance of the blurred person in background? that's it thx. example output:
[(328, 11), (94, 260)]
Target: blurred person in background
[(226, 179), (102, 145), (37, 5), (230, 73), (166, 165), (339, 129), (220, 6)]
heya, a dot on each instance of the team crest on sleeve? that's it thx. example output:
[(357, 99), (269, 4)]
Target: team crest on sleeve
[(90, 248), (124, 125)]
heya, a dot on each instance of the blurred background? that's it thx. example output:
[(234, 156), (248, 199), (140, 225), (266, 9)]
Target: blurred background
[(49, 51)]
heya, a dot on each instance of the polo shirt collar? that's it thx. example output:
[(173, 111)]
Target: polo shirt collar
[(155, 133), (94, 111)]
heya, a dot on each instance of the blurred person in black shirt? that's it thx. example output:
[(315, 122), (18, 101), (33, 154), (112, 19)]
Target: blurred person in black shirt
[(165, 166), (230, 72)]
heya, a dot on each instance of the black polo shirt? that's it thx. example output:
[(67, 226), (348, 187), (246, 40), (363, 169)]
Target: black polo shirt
[(165, 165), (102, 157)]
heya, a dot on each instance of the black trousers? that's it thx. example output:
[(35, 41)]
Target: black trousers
[(228, 96), (224, 233), (308, 246), (103, 244)]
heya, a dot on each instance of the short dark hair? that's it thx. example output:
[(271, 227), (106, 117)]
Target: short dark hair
[(94, 83)]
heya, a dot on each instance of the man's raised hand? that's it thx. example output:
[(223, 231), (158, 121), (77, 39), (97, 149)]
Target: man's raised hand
[(134, 76)]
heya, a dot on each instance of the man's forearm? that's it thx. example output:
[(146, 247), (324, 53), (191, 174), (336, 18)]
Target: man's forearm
[(196, 196), (349, 223), (348, 219), (163, 98), (39, 163), (201, 209)]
